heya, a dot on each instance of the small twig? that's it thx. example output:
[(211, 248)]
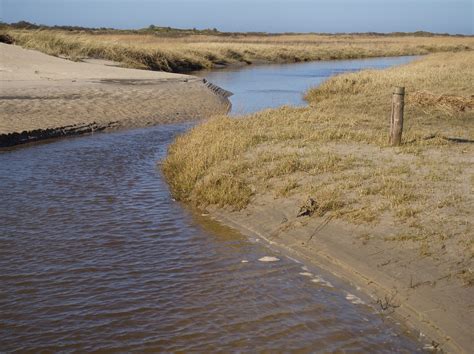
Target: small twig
[(452, 139), (457, 140), (387, 303), (320, 227)]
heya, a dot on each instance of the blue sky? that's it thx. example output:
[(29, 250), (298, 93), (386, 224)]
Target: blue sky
[(452, 16)]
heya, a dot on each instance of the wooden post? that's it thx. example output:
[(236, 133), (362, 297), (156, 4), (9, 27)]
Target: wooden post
[(396, 120)]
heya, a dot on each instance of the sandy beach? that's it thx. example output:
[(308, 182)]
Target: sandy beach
[(43, 96)]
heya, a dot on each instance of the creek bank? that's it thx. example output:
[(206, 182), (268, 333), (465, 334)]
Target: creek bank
[(44, 97), (412, 289)]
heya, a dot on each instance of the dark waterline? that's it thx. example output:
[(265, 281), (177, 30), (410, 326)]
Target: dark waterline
[(95, 255)]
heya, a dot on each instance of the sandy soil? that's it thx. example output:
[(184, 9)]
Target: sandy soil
[(39, 92)]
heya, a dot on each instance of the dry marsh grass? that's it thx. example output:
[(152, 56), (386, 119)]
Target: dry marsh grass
[(335, 150), (194, 52)]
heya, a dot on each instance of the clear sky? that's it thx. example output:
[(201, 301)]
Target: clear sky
[(452, 16)]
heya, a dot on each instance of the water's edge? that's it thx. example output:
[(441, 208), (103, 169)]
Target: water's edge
[(350, 275)]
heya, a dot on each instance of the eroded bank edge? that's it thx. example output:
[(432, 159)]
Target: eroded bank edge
[(348, 273)]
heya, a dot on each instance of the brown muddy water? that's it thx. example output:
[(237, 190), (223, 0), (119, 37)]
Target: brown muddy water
[(96, 256)]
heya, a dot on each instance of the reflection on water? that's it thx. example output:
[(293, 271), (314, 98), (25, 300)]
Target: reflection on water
[(260, 87), (95, 255)]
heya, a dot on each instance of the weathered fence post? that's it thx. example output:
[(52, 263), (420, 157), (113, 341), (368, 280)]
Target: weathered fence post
[(396, 119)]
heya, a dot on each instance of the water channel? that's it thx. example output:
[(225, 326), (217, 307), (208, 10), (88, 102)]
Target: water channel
[(95, 255)]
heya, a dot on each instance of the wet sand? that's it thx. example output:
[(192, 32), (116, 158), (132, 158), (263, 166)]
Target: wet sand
[(420, 292), (43, 96)]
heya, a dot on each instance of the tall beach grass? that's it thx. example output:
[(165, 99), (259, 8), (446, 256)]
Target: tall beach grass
[(155, 51)]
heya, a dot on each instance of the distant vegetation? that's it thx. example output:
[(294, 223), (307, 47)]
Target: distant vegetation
[(160, 30), (183, 50), (152, 29)]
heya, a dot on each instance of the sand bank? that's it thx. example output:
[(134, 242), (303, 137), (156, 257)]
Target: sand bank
[(43, 97)]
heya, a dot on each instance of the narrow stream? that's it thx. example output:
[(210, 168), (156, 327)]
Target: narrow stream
[(267, 86), (96, 256)]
